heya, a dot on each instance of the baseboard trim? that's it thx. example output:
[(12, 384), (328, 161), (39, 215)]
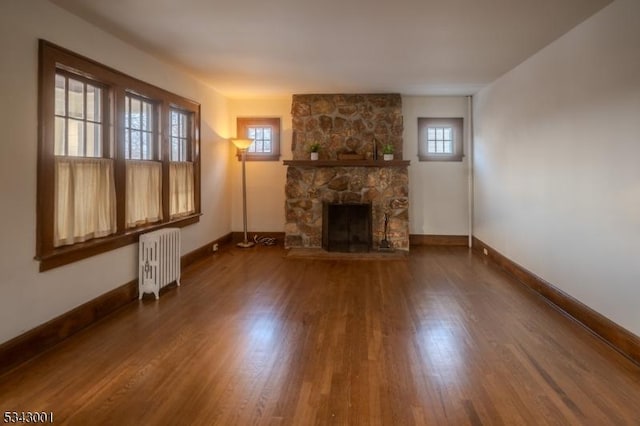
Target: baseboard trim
[(193, 256), (39, 339), (45, 336), (616, 336), (438, 240)]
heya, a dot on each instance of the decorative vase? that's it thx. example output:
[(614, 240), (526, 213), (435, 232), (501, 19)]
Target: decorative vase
[(314, 156), (387, 157)]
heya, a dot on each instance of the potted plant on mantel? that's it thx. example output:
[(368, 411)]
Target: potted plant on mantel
[(387, 152), (314, 148)]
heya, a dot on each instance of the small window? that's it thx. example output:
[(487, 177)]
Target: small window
[(440, 139), (265, 133)]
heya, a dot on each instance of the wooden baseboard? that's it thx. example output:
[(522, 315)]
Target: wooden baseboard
[(45, 336), (438, 240), (618, 337), (204, 251)]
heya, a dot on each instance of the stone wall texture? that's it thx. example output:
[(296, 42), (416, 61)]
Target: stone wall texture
[(307, 188), (346, 124)]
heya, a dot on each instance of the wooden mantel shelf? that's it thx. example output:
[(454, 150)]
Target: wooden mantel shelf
[(346, 163)]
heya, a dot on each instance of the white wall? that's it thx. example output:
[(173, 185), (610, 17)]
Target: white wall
[(27, 297), (265, 179), (438, 190), (557, 163)]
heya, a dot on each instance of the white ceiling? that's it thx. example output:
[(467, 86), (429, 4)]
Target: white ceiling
[(253, 48)]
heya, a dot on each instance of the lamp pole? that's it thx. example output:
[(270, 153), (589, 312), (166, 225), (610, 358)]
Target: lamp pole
[(242, 145), (246, 243)]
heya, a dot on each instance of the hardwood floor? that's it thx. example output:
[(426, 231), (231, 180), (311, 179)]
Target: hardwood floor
[(253, 337)]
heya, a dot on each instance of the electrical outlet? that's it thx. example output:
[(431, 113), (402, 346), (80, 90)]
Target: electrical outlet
[(215, 247), (485, 251)]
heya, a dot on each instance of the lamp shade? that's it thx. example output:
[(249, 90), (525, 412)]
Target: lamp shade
[(242, 143)]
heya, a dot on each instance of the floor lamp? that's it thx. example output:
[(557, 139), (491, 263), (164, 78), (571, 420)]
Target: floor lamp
[(242, 145)]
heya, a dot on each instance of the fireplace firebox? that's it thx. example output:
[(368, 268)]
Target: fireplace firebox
[(346, 227)]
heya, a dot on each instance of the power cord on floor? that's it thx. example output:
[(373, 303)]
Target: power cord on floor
[(265, 241)]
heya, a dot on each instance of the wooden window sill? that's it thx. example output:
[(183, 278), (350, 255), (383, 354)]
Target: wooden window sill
[(72, 253)]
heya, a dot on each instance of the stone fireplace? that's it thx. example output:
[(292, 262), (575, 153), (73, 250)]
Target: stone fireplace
[(351, 131)]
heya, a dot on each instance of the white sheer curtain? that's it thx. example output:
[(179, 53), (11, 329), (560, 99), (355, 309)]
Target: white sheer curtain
[(85, 199), (181, 194), (143, 192)]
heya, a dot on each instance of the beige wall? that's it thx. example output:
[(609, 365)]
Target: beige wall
[(438, 190), (265, 179), (556, 163), (27, 297)]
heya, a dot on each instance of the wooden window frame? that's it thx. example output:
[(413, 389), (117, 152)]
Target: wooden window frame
[(243, 123), (456, 123), (116, 85)]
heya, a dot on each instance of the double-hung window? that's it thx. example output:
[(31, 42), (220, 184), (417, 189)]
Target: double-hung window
[(181, 167), (83, 174), (117, 156), (143, 170)]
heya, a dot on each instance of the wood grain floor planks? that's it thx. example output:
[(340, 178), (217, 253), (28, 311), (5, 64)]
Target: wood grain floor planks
[(255, 338)]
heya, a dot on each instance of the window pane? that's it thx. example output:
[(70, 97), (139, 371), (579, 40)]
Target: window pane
[(144, 146), (94, 140), (267, 146), (147, 117), (183, 125), (267, 133), (175, 146), (147, 152), (76, 98), (94, 106), (431, 133), (127, 113), (76, 138), (251, 133), (447, 133), (136, 152), (431, 148), (136, 110), (61, 108), (60, 133), (175, 124), (439, 134), (448, 147), (183, 150)]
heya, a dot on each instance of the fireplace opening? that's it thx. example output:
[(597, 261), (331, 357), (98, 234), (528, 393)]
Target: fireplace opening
[(346, 227)]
